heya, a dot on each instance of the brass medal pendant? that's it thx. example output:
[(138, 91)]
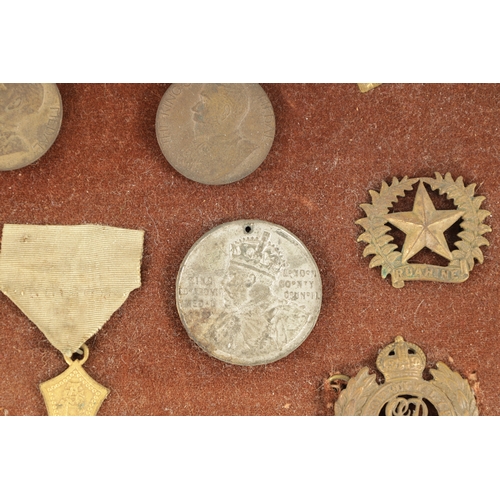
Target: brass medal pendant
[(424, 227), (405, 392), (73, 392), (69, 280)]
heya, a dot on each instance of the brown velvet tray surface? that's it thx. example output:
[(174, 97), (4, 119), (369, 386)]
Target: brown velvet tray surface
[(332, 145)]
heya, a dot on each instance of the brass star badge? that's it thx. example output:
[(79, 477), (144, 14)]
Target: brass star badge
[(424, 227)]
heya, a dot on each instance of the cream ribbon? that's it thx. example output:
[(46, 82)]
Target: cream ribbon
[(69, 280)]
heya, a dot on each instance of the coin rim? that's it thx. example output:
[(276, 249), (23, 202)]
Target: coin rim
[(36, 158), (245, 222), (191, 178)]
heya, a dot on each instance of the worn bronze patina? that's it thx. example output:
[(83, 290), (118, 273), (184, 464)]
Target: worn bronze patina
[(215, 133), (404, 391), (424, 227), (30, 119)]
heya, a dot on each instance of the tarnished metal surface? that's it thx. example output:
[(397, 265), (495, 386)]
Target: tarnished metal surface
[(405, 392), (424, 227), (248, 292), (30, 119), (215, 133), (73, 392)]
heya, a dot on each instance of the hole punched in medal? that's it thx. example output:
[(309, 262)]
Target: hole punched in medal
[(245, 307)]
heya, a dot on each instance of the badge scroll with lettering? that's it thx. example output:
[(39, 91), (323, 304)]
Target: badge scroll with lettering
[(404, 391), (424, 227), (69, 280)]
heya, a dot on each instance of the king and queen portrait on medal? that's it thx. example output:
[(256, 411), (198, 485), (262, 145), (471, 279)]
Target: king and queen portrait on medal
[(254, 319), (249, 299), (248, 292)]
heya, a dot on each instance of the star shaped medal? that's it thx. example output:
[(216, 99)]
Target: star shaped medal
[(424, 227)]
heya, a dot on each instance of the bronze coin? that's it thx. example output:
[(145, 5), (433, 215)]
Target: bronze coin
[(30, 119), (248, 292), (215, 133)]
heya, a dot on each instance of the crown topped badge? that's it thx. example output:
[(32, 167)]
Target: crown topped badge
[(405, 392), (424, 227), (401, 360)]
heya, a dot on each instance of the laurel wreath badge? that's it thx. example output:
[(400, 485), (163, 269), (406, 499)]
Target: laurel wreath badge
[(404, 392), (387, 255)]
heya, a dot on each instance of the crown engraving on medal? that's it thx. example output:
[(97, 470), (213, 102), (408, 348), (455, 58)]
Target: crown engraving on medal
[(404, 392), (257, 254), (269, 292)]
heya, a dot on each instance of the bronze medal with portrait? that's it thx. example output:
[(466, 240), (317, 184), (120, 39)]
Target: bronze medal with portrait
[(30, 119), (215, 133), (248, 292)]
